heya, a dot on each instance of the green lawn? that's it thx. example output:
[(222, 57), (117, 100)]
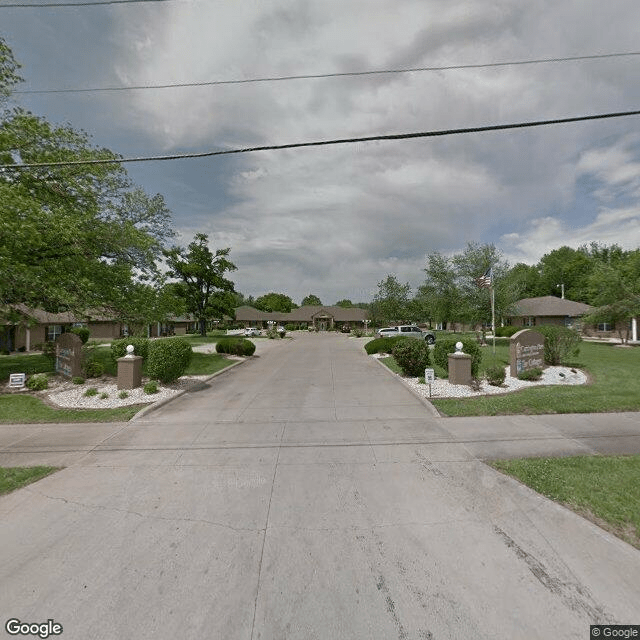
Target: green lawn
[(12, 478), (23, 409), (206, 364), (614, 386), (605, 489)]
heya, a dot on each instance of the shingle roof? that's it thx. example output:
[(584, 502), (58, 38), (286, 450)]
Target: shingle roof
[(302, 314), (550, 306)]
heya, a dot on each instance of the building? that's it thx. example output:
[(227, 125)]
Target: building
[(320, 317)]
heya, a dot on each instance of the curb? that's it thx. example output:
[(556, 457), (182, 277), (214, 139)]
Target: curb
[(434, 412), (161, 403)]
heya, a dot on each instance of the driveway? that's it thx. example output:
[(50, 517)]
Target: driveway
[(306, 494)]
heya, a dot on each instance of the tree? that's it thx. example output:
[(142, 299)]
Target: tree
[(202, 285), (568, 267), (345, 304), (311, 300), (390, 303), (274, 302), (439, 296), (71, 238)]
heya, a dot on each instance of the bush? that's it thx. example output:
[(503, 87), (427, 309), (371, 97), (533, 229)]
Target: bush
[(560, 343), (91, 391), (82, 332), (140, 347), (383, 345), (38, 382), (168, 359), (272, 334), (123, 395), (358, 333), (496, 375), (49, 350), (412, 357), (93, 369), (77, 380), (470, 346), (236, 346), (530, 374), (104, 396), (150, 387), (507, 332)]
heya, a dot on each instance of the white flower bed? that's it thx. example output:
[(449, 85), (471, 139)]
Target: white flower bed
[(443, 389)]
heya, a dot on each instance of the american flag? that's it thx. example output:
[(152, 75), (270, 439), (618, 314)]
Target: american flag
[(486, 281)]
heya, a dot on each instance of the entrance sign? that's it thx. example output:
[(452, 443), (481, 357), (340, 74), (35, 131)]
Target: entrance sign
[(526, 351), (69, 355), (17, 380)]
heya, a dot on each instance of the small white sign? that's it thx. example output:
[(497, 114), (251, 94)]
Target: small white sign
[(429, 376), (17, 379)]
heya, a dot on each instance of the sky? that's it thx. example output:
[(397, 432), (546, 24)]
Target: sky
[(334, 221)]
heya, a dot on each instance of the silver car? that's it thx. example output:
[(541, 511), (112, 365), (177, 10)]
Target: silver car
[(407, 331), (251, 331)]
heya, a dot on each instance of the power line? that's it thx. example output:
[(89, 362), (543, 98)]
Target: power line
[(336, 75), (320, 143), (74, 4)]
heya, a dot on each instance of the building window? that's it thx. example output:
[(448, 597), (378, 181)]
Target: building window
[(53, 331), (605, 326), (529, 321)]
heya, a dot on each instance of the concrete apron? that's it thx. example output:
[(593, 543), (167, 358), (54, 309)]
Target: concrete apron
[(305, 495)]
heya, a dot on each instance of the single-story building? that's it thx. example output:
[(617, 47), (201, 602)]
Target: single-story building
[(35, 327), (531, 312), (322, 318)]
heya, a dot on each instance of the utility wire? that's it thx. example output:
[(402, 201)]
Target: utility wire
[(320, 143), (337, 75), (73, 4)]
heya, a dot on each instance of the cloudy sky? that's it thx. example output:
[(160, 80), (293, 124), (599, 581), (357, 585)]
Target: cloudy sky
[(334, 221)]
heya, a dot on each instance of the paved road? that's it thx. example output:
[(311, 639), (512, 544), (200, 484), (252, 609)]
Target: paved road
[(307, 494)]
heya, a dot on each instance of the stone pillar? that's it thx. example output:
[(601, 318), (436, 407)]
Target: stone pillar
[(130, 370), (460, 367), (634, 329)]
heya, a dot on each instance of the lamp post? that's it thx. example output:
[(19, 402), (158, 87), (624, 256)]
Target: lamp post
[(561, 289)]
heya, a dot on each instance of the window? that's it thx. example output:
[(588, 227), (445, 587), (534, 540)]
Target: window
[(605, 326), (530, 321), (53, 331)]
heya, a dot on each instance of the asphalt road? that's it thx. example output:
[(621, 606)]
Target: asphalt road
[(308, 494)]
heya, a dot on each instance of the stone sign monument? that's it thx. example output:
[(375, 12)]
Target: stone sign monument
[(69, 355), (526, 351)]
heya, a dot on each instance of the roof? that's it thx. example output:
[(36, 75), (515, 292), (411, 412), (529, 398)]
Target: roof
[(303, 314), (547, 306)]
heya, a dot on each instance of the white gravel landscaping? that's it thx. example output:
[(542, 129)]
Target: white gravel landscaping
[(441, 388)]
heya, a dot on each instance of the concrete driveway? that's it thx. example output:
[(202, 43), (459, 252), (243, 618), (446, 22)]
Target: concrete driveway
[(306, 494)]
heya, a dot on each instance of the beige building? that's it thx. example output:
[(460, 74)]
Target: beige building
[(322, 317)]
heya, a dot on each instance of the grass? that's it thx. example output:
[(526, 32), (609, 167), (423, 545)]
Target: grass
[(206, 363), (12, 478), (24, 363), (614, 386), (24, 409), (604, 489)]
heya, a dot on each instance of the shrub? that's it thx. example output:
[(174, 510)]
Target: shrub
[(82, 332), (104, 396), (236, 346), (412, 356), (91, 391), (496, 375), (93, 369), (383, 345), (150, 387), (77, 380), (444, 347), (38, 382), (272, 334), (49, 350), (140, 347), (530, 374), (506, 332), (560, 343), (168, 359), (358, 333), (123, 395)]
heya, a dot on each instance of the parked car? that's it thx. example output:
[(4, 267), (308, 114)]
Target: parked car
[(407, 331), (251, 331)]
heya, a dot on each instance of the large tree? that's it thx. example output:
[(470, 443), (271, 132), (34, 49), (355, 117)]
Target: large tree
[(311, 300), (202, 284), (274, 302), (391, 302), (71, 237)]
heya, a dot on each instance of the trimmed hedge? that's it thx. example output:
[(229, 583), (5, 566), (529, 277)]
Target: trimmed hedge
[(140, 347), (82, 332), (448, 345), (412, 357), (496, 375), (168, 359), (507, 332), (236, 346), (383, 345)]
